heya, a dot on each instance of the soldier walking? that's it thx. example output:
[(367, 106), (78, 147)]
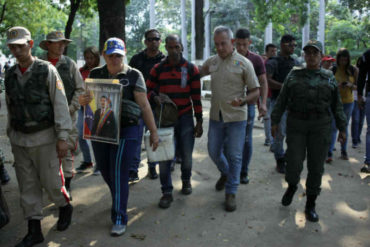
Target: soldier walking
[(309, 95), (39, 121)]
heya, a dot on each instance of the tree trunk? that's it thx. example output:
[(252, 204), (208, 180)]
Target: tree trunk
[(2, 13), (75, 4), (112, 15), (199, 29)]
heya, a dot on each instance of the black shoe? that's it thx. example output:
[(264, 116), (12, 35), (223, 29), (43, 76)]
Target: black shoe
[(4, 176), (65, 216), (309, 211), (230, 203), (67, 184), (288, 195), (220, 185), (132, 177), (311, 214), (34, 235), (186, 188), (280, 165), (365, 168), (344, 155), (84, 166), (165, 201), (244, 179), (152, 173)]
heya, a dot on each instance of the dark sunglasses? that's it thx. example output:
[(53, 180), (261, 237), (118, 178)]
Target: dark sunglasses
[(153, 39), (291, 44)]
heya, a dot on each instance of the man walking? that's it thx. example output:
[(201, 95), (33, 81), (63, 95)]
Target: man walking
[(231, 75), (55, 44), (179, 80), (144, 61), (38, 121), (242, 42), (277, 69)]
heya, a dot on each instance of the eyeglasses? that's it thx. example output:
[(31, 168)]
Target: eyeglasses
[(291, 44), (153, 39)]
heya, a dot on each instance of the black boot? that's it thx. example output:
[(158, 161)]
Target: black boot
[(152, 173), (220, 185), (288, 195), (280, 165), (34, 235), (186, 188), (309, 211), (4, 176), (67, 184), (65, 217)]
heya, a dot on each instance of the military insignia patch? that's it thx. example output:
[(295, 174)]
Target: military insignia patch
[(13, 34), (237, 63), (59, 85), (59, 34)]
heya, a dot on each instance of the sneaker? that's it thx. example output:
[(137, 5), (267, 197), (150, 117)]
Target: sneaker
[(96, 172), (280, 165), (84, 166), (354, 146), (365, 168), (344, 155), (132, 177), (267, 143), (65, 217), (244, 179), (329, 160), (165, 201), (118, 230), (230, 203), (220, 185)]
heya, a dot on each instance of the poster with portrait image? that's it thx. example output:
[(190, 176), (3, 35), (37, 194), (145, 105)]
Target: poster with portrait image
[(102, 115)]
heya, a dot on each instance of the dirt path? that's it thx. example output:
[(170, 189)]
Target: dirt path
[(199, 219)]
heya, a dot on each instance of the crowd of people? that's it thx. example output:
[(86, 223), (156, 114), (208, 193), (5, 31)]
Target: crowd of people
[(307, 104)]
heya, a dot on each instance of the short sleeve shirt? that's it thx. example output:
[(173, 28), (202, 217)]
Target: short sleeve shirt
[(258, 64), (230, 78)]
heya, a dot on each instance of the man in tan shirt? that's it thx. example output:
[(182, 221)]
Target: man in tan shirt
[(231, 75), (38, 121)]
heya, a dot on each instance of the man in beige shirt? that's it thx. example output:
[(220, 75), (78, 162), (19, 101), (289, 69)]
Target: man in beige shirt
[(38, 121), (231, 75)]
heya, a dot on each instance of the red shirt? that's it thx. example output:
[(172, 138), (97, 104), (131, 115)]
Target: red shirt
[(53, 61), (84, 72)]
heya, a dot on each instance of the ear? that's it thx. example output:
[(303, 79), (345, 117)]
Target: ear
[(232, 41), (31, 43)]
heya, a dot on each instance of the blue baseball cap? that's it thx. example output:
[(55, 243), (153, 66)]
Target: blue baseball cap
[(114, 46)]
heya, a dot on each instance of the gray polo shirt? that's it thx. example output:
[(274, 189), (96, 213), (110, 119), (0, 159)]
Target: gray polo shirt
[(230, 78)]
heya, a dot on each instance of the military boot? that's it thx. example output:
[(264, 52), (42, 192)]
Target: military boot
[(67, 184), (288, 195), (230, 203), (309, 211), (4, 176), (65, 217), (186, 188), (34, 235)]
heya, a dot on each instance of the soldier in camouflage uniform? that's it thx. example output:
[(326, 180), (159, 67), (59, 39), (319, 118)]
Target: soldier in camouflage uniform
[(309, 95)]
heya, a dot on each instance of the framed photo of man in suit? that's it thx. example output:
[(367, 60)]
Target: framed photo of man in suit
[(102, 115)]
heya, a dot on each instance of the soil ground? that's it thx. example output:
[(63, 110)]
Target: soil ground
[(199, 219)]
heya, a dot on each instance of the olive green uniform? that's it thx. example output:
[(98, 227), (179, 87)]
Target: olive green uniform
[(37, 117), (74, 87), (309, 96)]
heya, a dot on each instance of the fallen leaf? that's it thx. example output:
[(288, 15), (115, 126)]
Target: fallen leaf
[(138, 236)]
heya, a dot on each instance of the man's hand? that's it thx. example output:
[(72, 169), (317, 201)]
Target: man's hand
[(342, 137), (262, 111), (62, 148), (198, 129), (85, 99), (154, 140), (237, 102), (360, 101), (274, 130)]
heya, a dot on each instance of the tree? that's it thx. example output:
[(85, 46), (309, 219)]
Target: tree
[(112, 15), (199, 29)]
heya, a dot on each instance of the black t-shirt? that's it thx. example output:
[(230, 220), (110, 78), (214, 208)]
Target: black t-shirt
[(144, 63), (279, 67)]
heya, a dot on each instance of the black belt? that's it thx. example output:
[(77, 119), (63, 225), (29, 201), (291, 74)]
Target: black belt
[(312, 115)]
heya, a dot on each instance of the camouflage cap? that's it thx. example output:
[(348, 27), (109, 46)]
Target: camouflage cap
[(313, 43), (18, 35), (54, 36)]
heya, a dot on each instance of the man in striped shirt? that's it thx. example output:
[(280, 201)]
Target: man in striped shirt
[(178, 79)]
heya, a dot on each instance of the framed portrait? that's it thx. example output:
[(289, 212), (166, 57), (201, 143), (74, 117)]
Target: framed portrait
[(102, 115)]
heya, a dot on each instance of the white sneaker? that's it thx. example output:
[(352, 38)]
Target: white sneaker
[(118, 230)]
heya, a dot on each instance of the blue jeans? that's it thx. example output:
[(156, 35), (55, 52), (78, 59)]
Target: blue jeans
[(267, 123), (248, 145), (347, 108), (278, 143), (225, 147), (184, 136), (113, 162), (367, 112), (84, 146), (358, 117)]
